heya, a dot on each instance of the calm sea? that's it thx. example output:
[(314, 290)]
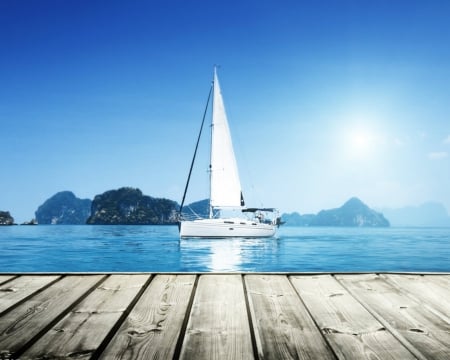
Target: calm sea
[(158, 249)]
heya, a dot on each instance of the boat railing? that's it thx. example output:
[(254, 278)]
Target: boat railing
[(190, 216)]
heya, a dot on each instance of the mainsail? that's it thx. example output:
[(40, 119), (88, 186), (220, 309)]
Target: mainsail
[(225, 184)]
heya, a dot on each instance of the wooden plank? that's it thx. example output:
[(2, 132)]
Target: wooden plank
[(218, 326), (423, 329), (282, 325), (82, 330), (21, 287), (349, 328), (442, 280), (5, 278), (23, 323), (432, 290), (153, 326), (359, 316)]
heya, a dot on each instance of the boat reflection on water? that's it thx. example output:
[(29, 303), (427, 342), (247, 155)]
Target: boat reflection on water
[(226, 255)]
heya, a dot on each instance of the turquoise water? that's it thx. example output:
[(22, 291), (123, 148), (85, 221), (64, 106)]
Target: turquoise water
[(158, 249)]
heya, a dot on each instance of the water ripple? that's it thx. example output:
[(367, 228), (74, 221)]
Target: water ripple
[(159, 249)]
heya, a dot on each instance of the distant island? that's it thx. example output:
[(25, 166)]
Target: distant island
[(353, 213), (128, 206), (426, 214), (197, 209), (6, 218), (64, 208)]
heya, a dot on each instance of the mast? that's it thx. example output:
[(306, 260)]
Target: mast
[(211, 210)]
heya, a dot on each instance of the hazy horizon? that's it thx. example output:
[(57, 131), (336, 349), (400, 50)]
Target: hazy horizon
[(387, 211), (325, 101)]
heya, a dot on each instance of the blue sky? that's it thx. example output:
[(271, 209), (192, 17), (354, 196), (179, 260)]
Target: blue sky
[(326, 100)]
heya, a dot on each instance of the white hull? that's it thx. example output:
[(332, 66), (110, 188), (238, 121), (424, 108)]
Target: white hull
[(226, 228)]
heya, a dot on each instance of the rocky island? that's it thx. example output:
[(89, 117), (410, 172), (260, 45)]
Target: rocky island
[(353, 213), (6, 218), (128, 206), (64, 208), (197, 209), (432, 214)]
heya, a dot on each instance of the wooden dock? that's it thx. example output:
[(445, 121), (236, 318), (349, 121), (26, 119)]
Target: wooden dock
[(225, 316)]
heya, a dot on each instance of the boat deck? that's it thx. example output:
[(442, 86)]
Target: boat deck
[(225, 316)]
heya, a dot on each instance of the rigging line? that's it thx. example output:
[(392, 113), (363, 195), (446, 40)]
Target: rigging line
[(195, 151)]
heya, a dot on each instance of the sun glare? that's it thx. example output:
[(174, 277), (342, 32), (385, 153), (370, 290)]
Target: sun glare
[(359, 143), (360, 140)]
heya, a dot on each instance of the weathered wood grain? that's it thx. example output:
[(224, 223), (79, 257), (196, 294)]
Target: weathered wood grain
[(83, 329), (21, 287), (349, 328), (5, 278), (283, 327), (20, 325), (152, 328), (442, 280), (433, 291), (423, 329), (233, 316), (218, 326)]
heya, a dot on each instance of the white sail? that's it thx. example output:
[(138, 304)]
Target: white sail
[(225, 184)]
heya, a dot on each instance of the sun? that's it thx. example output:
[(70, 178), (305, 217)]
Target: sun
[(360, 140), (359, 143)]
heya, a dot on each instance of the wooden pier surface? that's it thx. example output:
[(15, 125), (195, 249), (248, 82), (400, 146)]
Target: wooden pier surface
[(225, 316)]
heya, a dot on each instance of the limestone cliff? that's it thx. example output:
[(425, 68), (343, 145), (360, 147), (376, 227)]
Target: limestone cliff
[(6, 218), (128, 206), (64, 208), (353, 213)]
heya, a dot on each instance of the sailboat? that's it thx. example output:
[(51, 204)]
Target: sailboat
[(225, 187)]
